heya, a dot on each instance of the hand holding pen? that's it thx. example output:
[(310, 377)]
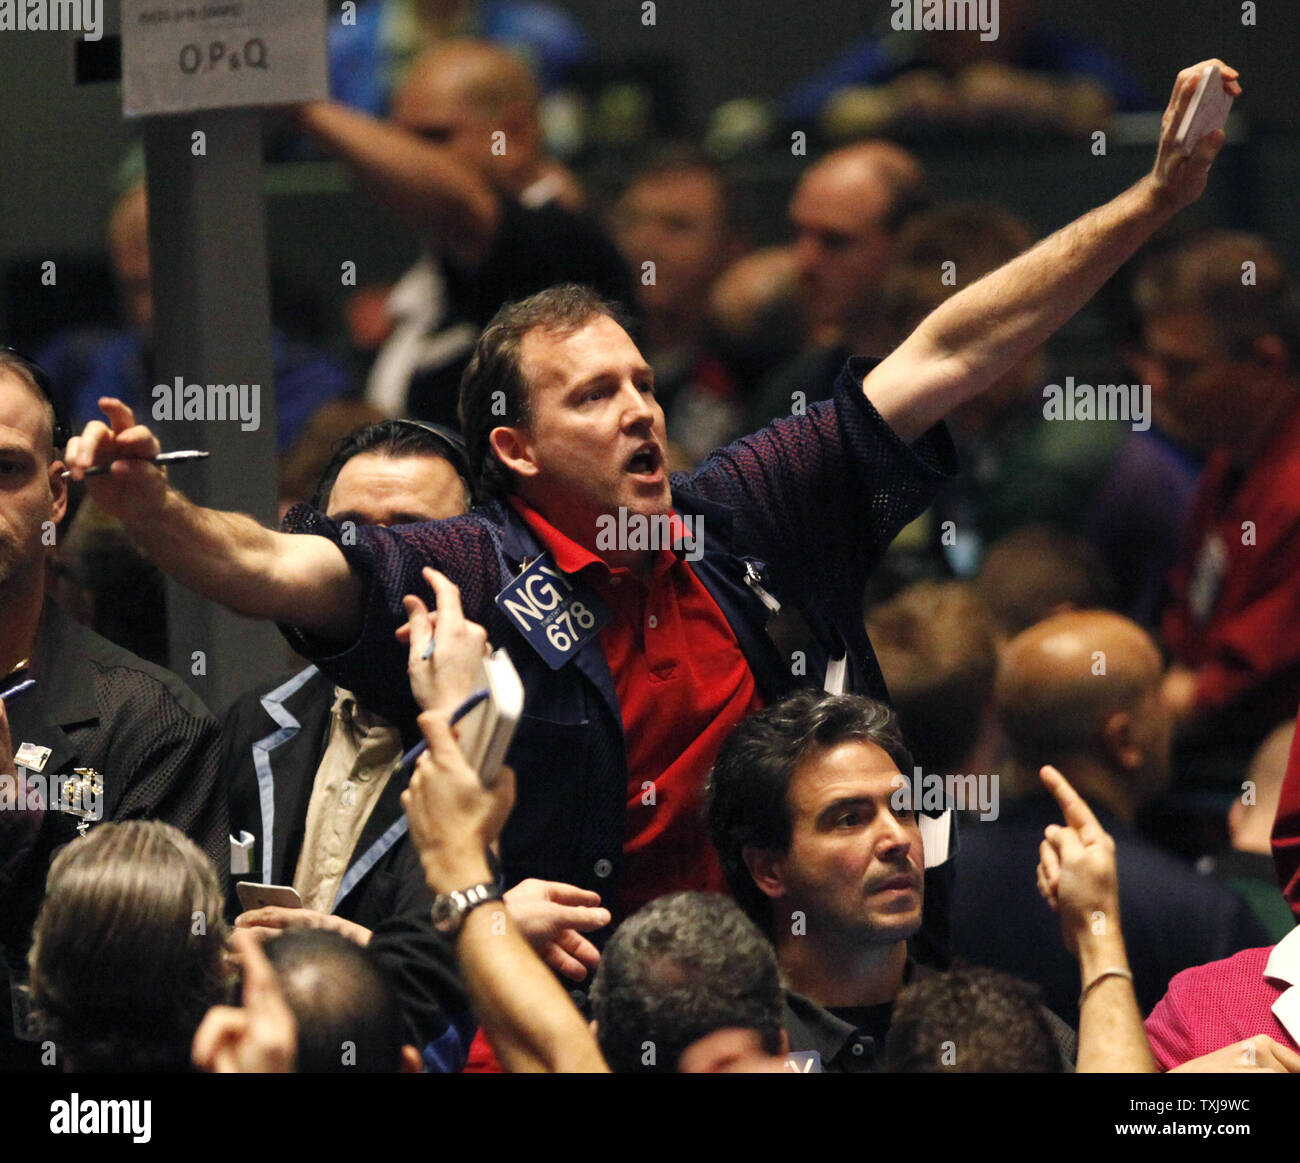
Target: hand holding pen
[(134, 493), (163, 458), (444, 670), (410, 758)]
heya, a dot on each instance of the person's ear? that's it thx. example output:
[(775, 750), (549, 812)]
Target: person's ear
[(514, 449), (767, 868), (1122, 743), (58, 491), (411, 1063), (785, 1043)]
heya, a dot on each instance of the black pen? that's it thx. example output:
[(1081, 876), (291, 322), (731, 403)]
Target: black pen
[(162, 458)]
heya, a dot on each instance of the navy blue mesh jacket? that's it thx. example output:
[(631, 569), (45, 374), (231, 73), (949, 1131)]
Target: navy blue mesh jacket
[(810, 503)]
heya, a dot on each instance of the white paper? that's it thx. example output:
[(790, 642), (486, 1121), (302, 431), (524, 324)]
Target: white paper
[(178, 57), (241, 853)]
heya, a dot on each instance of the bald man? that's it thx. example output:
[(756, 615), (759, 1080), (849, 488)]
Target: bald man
[(1081, 691), (461, 162), (846, 212)]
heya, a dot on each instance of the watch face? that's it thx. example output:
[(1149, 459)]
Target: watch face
[(449, 908), (446, 911)]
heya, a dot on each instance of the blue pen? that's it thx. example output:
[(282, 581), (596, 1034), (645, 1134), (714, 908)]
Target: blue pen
[(18, 688), (408, 760)]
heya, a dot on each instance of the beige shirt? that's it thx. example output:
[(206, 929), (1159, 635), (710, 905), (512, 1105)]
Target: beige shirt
[(359, 760)]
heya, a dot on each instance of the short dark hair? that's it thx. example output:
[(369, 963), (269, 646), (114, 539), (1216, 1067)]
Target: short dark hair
[(937, 648), (126, 953), (38, 380), (1204, 273), (493, 391), (748, 789), (682, 967), (978, 239), (394, 439), (1036, 569), (347, 1016), (684, 157), (970, 1021)]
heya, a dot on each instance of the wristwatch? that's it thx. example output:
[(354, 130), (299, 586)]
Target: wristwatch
[(451, 908)]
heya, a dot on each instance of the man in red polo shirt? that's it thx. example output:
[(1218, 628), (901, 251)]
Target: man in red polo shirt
[(629, 697), (1221, 327), (682, 685)]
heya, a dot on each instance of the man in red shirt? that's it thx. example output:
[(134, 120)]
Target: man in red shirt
[(564, 432), (1222, 335)]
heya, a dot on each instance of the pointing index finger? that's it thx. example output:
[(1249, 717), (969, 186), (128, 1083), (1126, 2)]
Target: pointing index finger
[(1077, 813), (261, 989), (120, 415), (450, 614)]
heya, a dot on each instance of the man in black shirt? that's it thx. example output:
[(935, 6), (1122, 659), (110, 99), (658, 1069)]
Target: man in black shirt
[(462, 163), (814, 824), (94, 708)]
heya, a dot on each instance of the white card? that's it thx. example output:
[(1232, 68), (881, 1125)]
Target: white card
[(32, 757), (241, 853), (1207, 111), (180, 57)]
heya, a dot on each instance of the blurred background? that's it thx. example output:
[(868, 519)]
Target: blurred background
[(613, 85)]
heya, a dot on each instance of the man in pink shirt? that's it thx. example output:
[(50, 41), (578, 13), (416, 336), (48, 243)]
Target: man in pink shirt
[(1254, 992)]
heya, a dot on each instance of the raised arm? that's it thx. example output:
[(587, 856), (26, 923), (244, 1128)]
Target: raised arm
[(1078, 878), (526, 1015), (298, 579), (970, 340), (441, 197)]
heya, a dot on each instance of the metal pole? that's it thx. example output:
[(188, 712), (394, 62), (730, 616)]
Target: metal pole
[(207, 241)]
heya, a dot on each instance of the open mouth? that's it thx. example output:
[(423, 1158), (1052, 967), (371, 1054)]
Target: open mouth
[(646, 461)]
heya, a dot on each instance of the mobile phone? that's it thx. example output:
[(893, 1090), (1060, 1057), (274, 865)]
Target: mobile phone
[(1207, 111), (258, 896)]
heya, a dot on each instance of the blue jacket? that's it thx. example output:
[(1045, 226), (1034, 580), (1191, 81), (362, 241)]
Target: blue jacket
[(810, 503)]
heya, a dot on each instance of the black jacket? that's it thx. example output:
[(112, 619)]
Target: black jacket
[(808, 506), (1172, 917), (273, 739), (147, 734)]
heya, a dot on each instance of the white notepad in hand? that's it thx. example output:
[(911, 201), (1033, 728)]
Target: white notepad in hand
[(485, 733)]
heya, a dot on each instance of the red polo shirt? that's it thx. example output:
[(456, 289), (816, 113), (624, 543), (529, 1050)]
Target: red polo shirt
[(1234, 615), (682, 684)]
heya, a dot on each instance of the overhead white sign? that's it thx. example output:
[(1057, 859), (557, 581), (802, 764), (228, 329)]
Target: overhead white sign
[(220, 54)]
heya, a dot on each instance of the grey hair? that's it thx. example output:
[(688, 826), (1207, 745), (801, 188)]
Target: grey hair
[(682, 967)]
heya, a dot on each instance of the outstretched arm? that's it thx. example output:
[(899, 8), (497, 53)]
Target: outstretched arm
[(228, 557), (969, 341)]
